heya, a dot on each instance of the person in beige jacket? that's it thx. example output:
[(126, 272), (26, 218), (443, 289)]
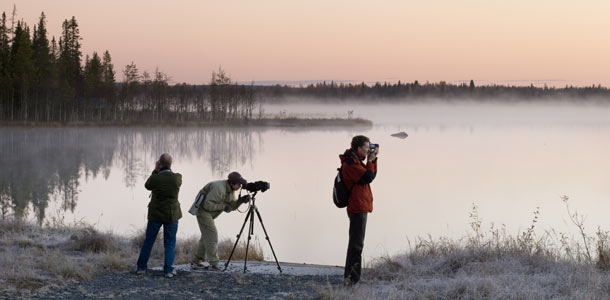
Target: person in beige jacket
[(219, 197)]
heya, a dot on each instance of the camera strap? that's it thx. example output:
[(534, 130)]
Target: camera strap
[(237, 209)]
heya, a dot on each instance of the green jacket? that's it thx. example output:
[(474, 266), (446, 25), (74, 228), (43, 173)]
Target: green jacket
[(217, 195), (164, 206)]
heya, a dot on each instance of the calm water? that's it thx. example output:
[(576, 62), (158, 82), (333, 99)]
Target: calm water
[(508, 160)]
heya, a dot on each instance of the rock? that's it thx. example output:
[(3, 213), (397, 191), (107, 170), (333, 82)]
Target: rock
[(400, 135)]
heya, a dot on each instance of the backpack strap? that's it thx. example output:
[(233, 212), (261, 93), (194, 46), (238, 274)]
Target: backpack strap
[(340, 169)]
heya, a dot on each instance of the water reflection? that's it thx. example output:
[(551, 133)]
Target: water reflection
[(507, 160), (49, 165), (44, 165)]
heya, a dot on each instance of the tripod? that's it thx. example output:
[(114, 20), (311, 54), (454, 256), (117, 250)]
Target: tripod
[(250, 215)]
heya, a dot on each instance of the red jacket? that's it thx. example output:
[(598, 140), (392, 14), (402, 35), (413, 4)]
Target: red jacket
[(357, 177)]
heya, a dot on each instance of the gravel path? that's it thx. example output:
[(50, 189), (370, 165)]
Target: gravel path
[(194, 285)]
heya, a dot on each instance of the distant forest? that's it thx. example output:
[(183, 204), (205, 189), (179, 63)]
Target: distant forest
[(44, 80)]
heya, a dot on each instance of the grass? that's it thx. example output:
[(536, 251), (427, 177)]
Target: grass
[(491, 264), (255, 251), (36, 257), (487, 263), (186, 248)]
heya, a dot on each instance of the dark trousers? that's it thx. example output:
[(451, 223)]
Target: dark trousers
[(169, 242), (353, 262)]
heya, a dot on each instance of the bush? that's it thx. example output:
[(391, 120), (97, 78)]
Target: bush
[(90, 240)]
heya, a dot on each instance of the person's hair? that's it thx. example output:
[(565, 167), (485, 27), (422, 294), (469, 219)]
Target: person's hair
[(359, 140), (165, 160)]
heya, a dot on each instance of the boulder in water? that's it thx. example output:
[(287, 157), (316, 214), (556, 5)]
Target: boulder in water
[(400, 135)]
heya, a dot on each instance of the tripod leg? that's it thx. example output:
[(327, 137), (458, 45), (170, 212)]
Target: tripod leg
[(250, 232), (267, 237), (236, 241)]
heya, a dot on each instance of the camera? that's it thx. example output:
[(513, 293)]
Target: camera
[(257, 186), (373, 147)]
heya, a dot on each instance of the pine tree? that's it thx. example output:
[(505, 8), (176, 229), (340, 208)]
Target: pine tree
[(53, 105), (220, 94), (93, 76), (94, 83), (70, 72), (131, 74), (5, 78), (13, 16), (22, 69), (109, 82), (108, 74), (159, 94), (131, 82), (41, 57)]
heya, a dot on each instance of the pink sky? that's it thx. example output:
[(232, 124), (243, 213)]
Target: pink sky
[(490, 41)]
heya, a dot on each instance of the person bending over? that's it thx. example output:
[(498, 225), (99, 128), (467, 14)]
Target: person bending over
[(219, 197)]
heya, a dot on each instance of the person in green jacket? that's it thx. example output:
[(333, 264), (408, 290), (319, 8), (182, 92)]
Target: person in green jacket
[(219, 197), (163, 210)]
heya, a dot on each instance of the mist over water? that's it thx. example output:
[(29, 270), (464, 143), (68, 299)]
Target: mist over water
[(507, 159), (460, 113)]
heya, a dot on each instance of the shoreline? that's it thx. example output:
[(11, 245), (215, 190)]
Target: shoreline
[(45, 261), (265, 122), (77, 261)]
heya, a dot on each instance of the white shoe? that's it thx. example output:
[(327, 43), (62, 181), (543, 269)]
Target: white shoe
[(171, 274), (199, 265)]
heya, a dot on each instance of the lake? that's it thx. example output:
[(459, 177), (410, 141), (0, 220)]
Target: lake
[(507, 159)]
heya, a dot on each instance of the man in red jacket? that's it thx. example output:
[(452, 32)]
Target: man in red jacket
[(357, 177)]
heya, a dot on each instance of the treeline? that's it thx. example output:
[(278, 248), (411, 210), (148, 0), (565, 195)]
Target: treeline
[(414, 91), (44, 80)]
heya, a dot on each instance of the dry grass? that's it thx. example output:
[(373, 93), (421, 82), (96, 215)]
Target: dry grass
[(491, 265), (34, 257), (184, 251), (87, 239), (255, 251), (186, 248), (488, 263)]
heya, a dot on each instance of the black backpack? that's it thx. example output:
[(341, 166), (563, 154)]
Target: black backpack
[(340, 191)]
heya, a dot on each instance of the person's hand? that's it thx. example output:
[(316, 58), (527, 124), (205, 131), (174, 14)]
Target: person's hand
[(373, 155), (157, 166), (228, 208), (244, 199)]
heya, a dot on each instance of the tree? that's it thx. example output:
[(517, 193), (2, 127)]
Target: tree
[(220, 94), (70, 56), (13, 16), (109, 82), (93, 75), (41, 57), (52, 103), (108, 69), (131, 74), (5, 76), (131, 82), (22, 69)]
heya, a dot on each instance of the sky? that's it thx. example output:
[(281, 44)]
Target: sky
[(516, 42)]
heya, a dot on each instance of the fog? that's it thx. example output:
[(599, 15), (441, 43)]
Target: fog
[(437, 112), (508, 159)]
